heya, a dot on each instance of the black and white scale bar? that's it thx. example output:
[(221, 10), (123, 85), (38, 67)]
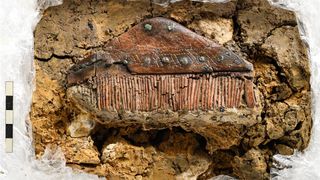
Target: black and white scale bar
[(9, 117)]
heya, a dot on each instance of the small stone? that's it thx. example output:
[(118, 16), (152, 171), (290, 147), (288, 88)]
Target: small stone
[(284, 150), (81, 126)]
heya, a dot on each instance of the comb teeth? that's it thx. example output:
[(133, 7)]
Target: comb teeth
[(175, 92)]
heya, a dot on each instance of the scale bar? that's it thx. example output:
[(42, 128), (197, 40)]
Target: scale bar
[(9, 117)]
